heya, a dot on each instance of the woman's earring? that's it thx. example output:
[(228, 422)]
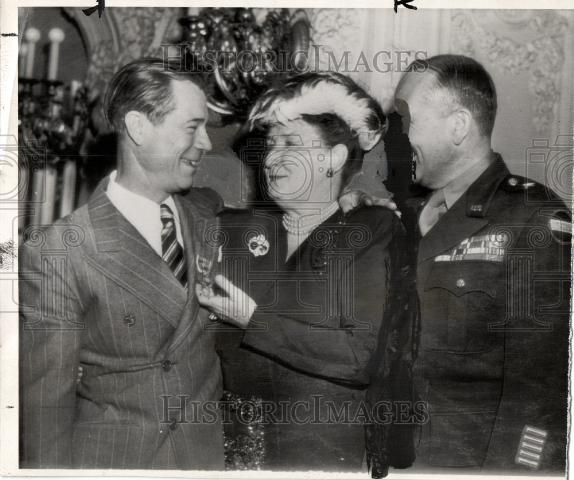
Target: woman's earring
[(329, 172)]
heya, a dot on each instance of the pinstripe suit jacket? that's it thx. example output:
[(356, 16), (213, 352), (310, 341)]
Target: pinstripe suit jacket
[(94, 293)]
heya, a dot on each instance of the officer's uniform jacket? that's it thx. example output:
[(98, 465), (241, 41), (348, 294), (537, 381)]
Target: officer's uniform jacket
[(493, 278), (93, 293)]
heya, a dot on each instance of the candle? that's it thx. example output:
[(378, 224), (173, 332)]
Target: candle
[(47, 211), (74, 87), (22, 55), (56, 36), (37, 196), (68, 188), (32, 36)]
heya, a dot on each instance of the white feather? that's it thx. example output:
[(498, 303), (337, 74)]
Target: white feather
[(324, 97)]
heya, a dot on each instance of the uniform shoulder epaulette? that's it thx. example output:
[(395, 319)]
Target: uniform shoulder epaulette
[(516, 183), (537, 194)]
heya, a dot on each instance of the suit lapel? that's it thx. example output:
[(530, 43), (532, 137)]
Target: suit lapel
[(197, 232), (125, 257)]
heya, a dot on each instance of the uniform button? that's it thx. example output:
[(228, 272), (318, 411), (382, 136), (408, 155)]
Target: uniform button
[(512, 182), (129, 320), (166, 365), (460, 283), (173, 424)]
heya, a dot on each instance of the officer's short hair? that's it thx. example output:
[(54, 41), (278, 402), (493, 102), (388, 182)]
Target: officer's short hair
[(467, 81), (144, 85)]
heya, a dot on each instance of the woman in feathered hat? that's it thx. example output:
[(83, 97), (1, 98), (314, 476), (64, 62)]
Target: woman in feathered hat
[(317, 298)]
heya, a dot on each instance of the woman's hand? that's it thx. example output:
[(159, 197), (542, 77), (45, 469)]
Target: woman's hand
[(351, 199), (235, 307)]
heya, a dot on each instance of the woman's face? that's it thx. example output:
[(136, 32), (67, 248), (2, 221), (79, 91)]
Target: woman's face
[(296, 164)]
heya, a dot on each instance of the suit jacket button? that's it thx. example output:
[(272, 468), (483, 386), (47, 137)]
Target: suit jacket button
[(173, 424), (166, 365), (129, 320)]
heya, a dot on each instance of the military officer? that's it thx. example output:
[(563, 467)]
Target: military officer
[(493, 276), (493, 279)]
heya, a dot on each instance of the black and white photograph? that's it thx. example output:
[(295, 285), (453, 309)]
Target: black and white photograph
[(309, 240)]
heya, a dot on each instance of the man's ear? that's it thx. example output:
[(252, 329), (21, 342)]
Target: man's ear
[(461, 123), (136, 126), (339, 154)]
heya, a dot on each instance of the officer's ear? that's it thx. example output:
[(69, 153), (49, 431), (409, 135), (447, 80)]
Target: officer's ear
[(461, 124)]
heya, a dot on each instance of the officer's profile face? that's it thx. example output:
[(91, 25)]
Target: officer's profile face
[(424, 118)]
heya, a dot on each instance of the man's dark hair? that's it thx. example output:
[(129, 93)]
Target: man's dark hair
[(467, 81), (144, 85)]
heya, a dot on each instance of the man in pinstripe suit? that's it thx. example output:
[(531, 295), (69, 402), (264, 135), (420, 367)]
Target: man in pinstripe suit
[(110, 289)]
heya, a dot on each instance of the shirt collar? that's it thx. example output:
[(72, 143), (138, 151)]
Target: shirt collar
[(456, 188), (142, 213)]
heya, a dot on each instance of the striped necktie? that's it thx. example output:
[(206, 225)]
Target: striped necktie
[(172, 253)]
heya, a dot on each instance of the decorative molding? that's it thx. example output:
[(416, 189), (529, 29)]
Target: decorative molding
[(536, 49)]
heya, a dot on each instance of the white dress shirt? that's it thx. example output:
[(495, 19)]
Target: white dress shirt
[(142, 213)]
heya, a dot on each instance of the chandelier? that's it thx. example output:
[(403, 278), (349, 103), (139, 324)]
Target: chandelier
[(243, 52)]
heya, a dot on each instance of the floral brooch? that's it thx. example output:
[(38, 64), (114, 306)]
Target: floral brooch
[(258, 245)]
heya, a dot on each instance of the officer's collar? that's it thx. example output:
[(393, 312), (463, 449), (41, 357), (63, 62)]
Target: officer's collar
[(480, 193)]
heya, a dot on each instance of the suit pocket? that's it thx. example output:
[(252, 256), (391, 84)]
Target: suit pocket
[(460, 439), (110, 446), (95, 414), (458, 305)]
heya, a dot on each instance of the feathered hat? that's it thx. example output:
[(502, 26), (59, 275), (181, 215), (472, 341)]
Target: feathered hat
[(320, 93)]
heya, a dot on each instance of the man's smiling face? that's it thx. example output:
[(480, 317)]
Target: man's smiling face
[(425, 120), (171, 152)]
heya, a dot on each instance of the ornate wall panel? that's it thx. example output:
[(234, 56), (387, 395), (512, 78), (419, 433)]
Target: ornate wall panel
[(524, 43), (122, 35), (338, 37), (530, 54)]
